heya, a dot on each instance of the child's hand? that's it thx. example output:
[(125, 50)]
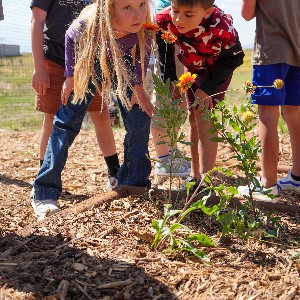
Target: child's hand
[(67, 89), (140, 98), (205, 101), (40, 81)]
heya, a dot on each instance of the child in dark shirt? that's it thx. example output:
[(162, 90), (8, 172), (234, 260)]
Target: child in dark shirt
[(50, 20)]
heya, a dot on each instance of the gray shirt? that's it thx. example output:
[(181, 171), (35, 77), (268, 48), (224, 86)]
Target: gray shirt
[(60, 14), (277, 37)]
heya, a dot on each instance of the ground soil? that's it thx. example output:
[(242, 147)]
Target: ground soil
[(99, 245)]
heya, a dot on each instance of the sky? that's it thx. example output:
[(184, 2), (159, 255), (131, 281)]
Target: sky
[(15, 29)]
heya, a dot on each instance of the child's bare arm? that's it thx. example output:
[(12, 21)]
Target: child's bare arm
[(67, 89), (248, 9), (140, 97), (40, 78)]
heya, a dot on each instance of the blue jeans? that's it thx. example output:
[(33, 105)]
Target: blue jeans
[(136, 167), (135, 170)]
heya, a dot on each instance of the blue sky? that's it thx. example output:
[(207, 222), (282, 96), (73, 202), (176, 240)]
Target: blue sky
[(15, 29)]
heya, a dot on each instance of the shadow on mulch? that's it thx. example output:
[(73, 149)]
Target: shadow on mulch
[(13, 181), (45, 267)]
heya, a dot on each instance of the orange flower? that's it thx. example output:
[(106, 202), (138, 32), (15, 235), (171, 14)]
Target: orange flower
[(151, 27), (168, 38), (249, 87), (278, 84), (186, 81)]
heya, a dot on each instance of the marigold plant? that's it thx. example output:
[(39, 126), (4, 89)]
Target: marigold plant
[(186, 81), (168, 38)]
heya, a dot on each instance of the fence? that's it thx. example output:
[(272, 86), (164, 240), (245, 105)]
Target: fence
[(16, 94)]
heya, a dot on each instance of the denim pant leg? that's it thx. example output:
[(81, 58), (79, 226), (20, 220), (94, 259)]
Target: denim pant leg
[(136, 167), (66, 126)]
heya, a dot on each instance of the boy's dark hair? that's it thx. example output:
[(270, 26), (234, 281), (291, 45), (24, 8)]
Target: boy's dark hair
[(190, 3)]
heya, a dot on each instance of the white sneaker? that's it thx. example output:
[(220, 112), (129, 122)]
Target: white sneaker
[(288, 183), (44, 208), (180, 167), (262, 194), (112, 183)]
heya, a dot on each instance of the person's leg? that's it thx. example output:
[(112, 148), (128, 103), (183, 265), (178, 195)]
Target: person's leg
[(136, 167), (269, 101), (158, 135), (268, 135), (104, 132), (49, 103), (291, 115), (66, 126), (165, 152), (207, 148), (45, 134), (106, 141), (195, 167)]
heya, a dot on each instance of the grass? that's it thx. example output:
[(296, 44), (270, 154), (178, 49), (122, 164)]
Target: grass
[(17, 96), (240, 75)]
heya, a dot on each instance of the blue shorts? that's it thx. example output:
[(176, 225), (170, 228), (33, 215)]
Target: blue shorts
[(264, 75)]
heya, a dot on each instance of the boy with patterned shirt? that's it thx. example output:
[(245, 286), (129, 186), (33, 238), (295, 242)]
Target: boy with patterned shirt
[(209, 47)]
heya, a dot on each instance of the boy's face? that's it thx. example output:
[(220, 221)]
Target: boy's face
[(186, 18)]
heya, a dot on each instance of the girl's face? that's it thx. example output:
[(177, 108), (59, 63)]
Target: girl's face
[(128, 16), (186, 18)]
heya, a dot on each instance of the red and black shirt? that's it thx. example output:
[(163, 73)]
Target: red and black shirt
[(212, 48)]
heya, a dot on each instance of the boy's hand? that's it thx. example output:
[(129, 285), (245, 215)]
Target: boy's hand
[(139, 97), (40, 81), (67, 89), (205, 102)]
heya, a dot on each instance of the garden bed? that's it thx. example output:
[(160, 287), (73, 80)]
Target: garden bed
[(99, 245)]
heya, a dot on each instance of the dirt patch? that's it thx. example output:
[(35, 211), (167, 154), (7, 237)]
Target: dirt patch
[(98, 246)]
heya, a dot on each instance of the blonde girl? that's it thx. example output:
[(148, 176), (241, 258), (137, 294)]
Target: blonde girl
[(112, 51)]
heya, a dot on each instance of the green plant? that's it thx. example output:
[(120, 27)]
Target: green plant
[(234, 127), (173, 118)]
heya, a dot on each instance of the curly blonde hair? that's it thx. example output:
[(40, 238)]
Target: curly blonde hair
[(97, 42)]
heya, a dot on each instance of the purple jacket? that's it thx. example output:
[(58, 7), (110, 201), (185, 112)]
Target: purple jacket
[(125, 43)]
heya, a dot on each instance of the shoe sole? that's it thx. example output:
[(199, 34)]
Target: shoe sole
[(268, 200), (173, 174), (289, 188)]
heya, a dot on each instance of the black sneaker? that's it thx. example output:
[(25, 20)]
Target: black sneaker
[(190, 179)]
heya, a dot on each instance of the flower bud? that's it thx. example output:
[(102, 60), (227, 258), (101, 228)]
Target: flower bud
[(278, 84), (247, 116)]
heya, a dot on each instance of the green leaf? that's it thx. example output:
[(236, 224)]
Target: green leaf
[(156, 224), (235, 126), (217, 139), (201, 238)]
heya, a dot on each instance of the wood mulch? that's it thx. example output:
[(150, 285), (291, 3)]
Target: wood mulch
[(99, 245)]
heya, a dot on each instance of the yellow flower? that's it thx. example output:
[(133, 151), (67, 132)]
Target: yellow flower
[(186, 81), (278, 84), (249, 87), (169, 38), (247, 116)]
